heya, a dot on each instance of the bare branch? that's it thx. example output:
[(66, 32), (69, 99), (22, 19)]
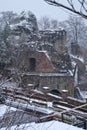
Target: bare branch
[(70, 6)]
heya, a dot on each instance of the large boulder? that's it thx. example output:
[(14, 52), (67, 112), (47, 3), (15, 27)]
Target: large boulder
[(22, 28), (25, 21)]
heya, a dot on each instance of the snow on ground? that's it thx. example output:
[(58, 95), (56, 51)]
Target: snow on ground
[(84, 94), (9, 85), (30, 107), (4, 108), (51, 125)]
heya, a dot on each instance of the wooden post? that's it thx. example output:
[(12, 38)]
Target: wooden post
[(62, 117), (64, 94), (86, 99)]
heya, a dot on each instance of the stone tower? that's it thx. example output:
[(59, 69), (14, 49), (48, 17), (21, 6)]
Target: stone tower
[(57, 38), (59, 43)]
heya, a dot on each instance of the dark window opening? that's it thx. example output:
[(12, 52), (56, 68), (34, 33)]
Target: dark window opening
[(55, 92), (32, 64)]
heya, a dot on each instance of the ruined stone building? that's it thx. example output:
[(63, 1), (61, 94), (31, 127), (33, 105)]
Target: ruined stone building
[(46, 62), (55, 37)]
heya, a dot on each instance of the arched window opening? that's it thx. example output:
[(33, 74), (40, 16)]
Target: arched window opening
[(32, 62)]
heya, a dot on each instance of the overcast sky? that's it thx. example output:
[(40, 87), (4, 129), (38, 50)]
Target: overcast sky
[(38, 7)]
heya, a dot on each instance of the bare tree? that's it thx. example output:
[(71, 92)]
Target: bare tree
[(44, 23), (76, 29), (7, 17), (76, 6), (54, 24)]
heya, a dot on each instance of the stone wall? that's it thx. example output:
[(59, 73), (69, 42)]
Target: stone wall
[(35, 61), (75, 49), (53, 82), (56, 37)]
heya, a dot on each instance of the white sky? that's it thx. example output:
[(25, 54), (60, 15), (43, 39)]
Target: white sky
[(38, 7)]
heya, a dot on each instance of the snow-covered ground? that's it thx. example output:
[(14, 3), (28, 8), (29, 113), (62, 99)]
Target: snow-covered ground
[(4, 108), (84, 94), (51, 125), (9, 85)]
